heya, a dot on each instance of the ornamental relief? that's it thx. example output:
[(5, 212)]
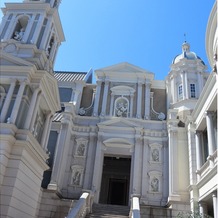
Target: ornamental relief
[(76, 176), (155, 181), (81, 147), (155, 153)]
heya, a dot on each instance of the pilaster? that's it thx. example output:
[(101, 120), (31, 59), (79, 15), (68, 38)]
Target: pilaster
[(139, 101), (105, 96), (97, 98)]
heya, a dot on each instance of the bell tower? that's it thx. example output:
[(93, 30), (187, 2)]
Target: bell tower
[(30, 34), (34, 30)]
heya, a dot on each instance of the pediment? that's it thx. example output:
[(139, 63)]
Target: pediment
[(118, 142), (125, 71), (118, 122), (11, 60)]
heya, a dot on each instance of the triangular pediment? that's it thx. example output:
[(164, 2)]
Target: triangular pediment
[(118, 122), (124, 70), (11, 60)]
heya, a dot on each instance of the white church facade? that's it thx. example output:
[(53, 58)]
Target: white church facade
[(67, 144)]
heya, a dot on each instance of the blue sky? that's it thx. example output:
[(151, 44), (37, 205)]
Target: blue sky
[(145, 33)]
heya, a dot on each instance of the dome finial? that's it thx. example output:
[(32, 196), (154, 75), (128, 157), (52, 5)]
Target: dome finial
[(185, 36)]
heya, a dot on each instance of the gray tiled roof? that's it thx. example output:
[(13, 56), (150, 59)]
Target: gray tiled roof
[(69, 76), (57, 117)]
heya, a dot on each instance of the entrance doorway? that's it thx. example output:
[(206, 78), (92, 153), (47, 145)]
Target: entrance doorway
[(115, 181)]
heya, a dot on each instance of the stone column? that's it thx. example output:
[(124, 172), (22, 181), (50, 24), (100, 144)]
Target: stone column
[(186, 86), (34, 114), (89, 161), (183, 86), (173, 164), (203, 208), (147, 100), (139, 101), (46, 130), (198, 149), (28, 29), (200, 85), (173, 89), (104, 103), (165, 172), (210, 132), (31, 108), (137, 168), (112, 104), (98, 165), (17, 102), (131, 105), (2, 96), (145, 169), (60, 152), (7, 101), (97, 98), (37, 29), (215, 205)]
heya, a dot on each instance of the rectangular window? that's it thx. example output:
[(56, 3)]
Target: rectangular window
[(192, 91), (180, 92)]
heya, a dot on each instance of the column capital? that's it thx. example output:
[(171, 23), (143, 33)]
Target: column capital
[(198, 132), (106, 82), (13, 80), (140, 83), (99, 82), (208, 113)]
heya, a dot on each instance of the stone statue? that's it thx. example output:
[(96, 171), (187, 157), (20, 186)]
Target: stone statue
[(155, 155), (18, 35), (81, 150), (76, 178), (155, 185)]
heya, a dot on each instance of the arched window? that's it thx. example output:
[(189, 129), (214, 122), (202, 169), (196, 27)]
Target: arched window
[(20, 28)]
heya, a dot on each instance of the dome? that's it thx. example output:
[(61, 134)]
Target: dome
[(186, 53)]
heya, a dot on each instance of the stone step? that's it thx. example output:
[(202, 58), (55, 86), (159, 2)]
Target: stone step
[(108, 210)]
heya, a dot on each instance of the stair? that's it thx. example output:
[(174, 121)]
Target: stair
[(109, 211)]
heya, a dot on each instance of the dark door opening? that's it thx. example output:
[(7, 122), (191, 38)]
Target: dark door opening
[(115, 181), (117, 191)]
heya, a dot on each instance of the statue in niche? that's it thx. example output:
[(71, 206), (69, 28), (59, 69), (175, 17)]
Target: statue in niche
[(155, 155), (155, 185), (18, 35), (76, 177), (121, 108), (81, 150)]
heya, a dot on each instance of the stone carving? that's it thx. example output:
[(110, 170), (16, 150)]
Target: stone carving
[(76, 177), (121, 107), (18, 35), (81, 145), (81, 150), (155, 185), (155, 155)]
